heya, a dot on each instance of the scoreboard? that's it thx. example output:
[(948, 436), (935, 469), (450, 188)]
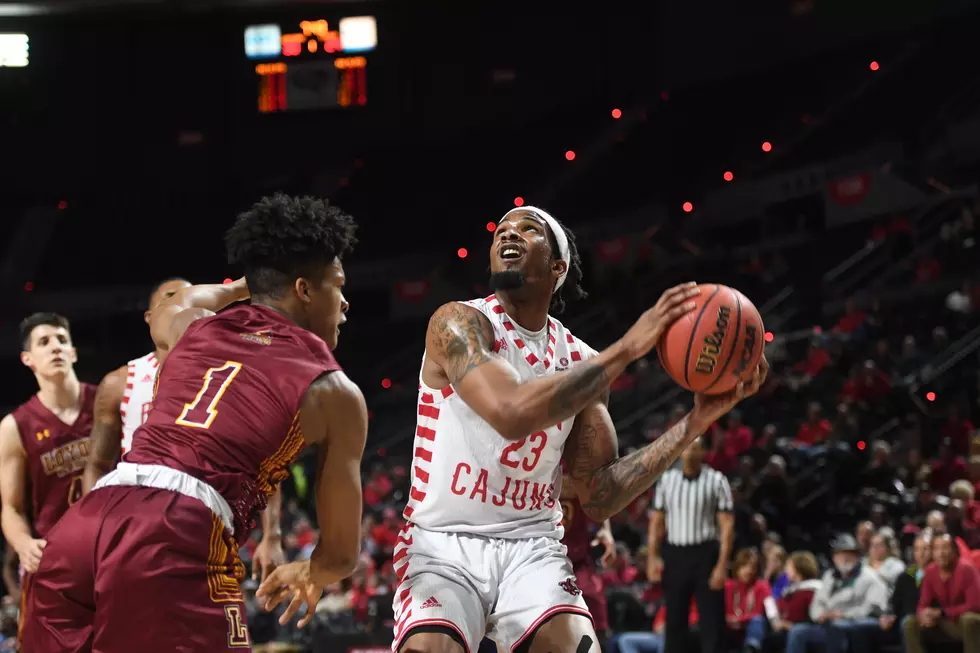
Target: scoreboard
[(312, 65)]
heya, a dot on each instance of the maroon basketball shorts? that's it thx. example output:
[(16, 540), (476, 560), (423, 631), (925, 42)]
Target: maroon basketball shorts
[(594, 592), (132, 568)]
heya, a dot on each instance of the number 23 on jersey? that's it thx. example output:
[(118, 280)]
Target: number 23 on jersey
[(200, 412)]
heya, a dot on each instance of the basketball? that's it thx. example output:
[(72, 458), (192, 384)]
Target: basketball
[(717, 344)]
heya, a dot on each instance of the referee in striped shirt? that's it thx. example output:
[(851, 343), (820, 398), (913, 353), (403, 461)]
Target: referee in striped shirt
[(693, 508)]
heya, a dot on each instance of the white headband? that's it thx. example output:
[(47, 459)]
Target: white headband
[(560, 238)]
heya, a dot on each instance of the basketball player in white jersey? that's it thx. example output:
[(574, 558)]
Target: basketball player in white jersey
[(122, 402), (123, 399), (505, 392)]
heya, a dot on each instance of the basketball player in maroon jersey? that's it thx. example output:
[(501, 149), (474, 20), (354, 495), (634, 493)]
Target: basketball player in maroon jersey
[(148, 560), (109, 423), (580, 538), (43, 442), (107, 431)]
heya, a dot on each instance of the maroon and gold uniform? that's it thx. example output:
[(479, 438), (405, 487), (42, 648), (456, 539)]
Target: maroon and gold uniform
[(56, 456), (579, 534), (148, 569)]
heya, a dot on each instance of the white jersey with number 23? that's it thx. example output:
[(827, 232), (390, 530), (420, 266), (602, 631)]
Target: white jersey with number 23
[(466, 478)]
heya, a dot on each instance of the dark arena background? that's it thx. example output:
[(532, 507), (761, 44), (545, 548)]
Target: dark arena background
[(822, 156)]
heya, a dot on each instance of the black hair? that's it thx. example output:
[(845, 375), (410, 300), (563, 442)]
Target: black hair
[(160, 285), (572, 288), (31, 322), (282, 238)]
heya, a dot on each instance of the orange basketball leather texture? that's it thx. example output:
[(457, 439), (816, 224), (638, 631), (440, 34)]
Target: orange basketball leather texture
[(717, 344)]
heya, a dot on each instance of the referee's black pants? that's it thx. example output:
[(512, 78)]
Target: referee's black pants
[(687, 572)]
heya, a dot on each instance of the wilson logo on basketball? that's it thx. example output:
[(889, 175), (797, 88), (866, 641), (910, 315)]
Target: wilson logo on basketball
[(708, 357), (747, 349)]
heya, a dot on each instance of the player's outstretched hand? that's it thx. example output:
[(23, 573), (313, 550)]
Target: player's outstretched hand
[(647, 331), (267, 557), (292, 582), (709, 409)]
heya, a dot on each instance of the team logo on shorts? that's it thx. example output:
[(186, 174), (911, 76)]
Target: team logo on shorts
[(569, 586)]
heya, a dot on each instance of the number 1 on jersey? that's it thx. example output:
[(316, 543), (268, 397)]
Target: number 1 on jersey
[(202, 411)]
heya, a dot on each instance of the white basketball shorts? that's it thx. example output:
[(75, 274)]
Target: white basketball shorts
[(476, 586)]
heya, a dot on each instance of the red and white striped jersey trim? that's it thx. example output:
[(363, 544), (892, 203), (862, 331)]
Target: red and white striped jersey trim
[(425, 431), (529, 356), (140, 376)]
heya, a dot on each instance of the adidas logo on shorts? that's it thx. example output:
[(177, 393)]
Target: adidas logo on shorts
[(430, 603)]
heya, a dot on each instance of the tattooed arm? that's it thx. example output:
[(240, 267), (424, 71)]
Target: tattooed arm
[(105, 441), (605, 483), (459, 351)]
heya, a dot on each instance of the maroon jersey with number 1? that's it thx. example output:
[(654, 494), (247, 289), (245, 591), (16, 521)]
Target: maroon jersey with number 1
[(127, 563), (56, 456)]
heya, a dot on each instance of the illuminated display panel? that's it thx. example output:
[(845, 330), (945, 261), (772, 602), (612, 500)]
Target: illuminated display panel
[(312, 65)]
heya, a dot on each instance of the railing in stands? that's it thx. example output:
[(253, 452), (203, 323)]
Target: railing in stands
[(871, 266), (953, 355)]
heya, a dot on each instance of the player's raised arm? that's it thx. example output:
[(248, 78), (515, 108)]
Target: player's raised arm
[(460, 343), (13, 483), (172, 317), (105, 443), (605, 483)]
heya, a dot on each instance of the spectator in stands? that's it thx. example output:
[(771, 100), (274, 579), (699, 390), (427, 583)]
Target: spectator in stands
[(880, 473), (651, 642), (745, 594), (775, 572), (964, 491), (975, 473), (914, 471), (853, 319), (773, 497), (957, 527), (815, 429), (817, 359), (868, 387), (948, 467), (884, 558), (957, 430), (905, 597), (863, 533), (883, 356), (846, 604), (793, 606), (910, 359), (949, 602)]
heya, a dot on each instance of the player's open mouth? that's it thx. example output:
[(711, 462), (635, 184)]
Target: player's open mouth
[(511, 252)]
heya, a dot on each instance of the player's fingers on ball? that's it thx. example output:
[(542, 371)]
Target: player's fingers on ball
[(678, 311), (679, 292)]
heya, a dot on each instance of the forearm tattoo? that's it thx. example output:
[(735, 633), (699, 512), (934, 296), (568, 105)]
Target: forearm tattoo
[(615, 485), (577, 386)]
